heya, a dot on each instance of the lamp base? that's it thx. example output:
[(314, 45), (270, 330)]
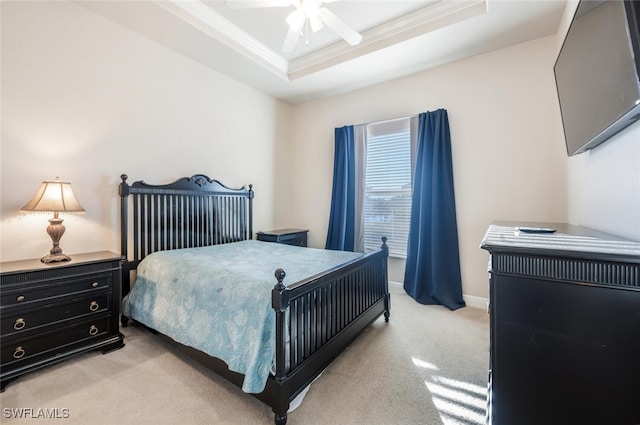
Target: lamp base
[(55, 231), (54, 258)]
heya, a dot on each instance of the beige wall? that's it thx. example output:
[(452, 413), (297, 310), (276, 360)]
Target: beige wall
[(87, 100), (508, 152), (604, 183)]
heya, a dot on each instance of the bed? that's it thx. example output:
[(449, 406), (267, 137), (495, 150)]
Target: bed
[(312, 312)]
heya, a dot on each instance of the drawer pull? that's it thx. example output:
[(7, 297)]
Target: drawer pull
[(18, 353), (94, 306), (93, 330), (19, 324), (94, 285), (20, 298)]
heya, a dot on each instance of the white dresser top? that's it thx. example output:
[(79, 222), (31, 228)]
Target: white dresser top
[(567, 238)]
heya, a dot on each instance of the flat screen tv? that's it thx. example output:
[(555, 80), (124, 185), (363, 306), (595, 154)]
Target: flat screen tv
[(597, 73)]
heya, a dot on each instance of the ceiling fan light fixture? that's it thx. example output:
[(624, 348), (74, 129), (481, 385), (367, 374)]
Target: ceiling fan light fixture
[(308, 16), (310, 7), (296, 19)]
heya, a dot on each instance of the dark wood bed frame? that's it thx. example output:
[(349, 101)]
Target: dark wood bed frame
[(319, 316)]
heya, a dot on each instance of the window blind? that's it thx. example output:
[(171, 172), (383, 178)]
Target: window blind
[(387, 193)]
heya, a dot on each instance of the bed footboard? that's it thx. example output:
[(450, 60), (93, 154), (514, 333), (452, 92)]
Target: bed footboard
[(316, 319)]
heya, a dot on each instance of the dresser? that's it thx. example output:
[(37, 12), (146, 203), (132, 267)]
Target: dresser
[(564, 326), (297, 237), (51, 312)]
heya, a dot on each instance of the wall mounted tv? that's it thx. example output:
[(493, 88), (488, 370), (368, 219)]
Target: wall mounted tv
[(597, 73)]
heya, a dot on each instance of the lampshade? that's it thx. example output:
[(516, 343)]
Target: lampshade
[(54, 196)]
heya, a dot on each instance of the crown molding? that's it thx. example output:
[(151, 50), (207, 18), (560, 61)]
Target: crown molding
[(436, 15), (430, 18), (202, 17)]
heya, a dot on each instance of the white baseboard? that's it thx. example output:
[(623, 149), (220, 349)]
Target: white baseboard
[(470, 300), (396, 287), (476, 302)]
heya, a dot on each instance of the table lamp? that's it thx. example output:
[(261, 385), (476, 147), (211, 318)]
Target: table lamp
[(54, 196)]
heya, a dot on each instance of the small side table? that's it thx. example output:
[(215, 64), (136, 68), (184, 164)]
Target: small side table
[(297, 237)]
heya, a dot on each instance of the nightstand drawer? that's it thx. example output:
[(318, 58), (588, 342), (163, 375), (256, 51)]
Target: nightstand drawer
[(53, 343), (21, 322), (26, 293)]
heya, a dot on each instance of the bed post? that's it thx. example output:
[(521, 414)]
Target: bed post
[(387, 296), (124, 214), (124, 222), (280, 303), (250, 211)]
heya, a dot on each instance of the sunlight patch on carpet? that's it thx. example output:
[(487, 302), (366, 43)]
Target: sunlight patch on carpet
[(458, 402), (423, 364)]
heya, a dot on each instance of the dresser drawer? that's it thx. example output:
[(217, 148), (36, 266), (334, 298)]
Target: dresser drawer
[(54, 343), (26, 293), (21, 322)]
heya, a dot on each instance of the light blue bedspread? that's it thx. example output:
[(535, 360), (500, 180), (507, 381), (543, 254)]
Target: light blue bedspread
[(218, 298)]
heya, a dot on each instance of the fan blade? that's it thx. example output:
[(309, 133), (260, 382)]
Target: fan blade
[(251, 4), (316, 24), (291, 40), (340, 27)]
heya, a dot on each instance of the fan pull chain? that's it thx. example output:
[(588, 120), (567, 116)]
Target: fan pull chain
[(306, 31)]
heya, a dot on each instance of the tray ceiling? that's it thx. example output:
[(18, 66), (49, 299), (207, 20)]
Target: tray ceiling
[(399, 38)]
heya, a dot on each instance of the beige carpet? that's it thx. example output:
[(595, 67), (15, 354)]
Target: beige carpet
[(428, 365)]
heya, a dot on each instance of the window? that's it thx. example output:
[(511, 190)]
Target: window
[(387, 185)]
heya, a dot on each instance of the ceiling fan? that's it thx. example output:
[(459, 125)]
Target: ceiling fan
[(308, 15)]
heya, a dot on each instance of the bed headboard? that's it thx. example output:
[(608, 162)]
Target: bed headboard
[(190, 212)]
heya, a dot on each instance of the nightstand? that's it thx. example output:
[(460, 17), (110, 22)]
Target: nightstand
[(297, 237), (50, 312)]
